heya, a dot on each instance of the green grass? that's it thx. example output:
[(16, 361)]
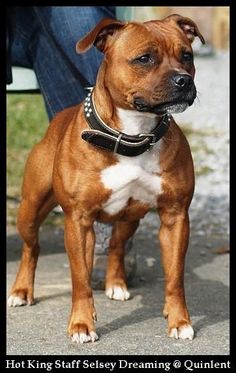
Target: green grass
[(26, 123), (26, 120)]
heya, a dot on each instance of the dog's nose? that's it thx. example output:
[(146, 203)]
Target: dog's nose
[(182, 80)]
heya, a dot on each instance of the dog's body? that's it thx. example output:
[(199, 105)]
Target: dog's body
[(146, 72)]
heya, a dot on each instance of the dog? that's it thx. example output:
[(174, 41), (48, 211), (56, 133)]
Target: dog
[(111, 159)]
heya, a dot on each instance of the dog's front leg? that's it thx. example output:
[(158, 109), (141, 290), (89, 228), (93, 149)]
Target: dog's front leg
[(174, 236), (116, 286), (79, 242)]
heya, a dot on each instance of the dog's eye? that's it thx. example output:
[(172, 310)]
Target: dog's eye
[(144, 60), (187, 57)]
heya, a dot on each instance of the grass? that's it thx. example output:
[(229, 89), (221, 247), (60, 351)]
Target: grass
[(27, 122)]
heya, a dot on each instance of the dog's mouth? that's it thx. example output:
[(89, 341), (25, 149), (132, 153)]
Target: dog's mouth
[(170, 107), (173, 106), (163, 108)]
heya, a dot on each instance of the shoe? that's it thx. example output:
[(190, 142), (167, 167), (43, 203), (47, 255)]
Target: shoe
[(57, 210), (103, 235)]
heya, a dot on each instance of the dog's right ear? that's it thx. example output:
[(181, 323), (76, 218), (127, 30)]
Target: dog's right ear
[(99, 36)]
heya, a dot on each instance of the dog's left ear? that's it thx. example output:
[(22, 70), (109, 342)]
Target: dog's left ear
[(99, 35), (188, 26)]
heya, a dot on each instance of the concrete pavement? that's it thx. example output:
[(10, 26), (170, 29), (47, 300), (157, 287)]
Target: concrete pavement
[(128, 328)]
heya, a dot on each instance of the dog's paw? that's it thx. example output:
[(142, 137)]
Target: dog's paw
[(117, 293), (183, 332), (15, 301), (84, 337)]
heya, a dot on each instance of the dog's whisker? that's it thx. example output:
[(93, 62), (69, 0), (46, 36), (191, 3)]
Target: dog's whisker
[(197, 97)]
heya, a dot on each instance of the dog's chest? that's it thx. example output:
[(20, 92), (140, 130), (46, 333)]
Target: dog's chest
[(134, 178)]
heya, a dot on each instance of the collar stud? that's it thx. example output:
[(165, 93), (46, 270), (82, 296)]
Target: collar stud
[(107, 138)]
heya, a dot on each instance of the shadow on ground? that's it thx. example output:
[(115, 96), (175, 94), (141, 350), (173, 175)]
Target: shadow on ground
[(207, 294)]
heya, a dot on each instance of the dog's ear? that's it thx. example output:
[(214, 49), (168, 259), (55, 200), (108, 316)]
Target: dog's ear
[(188, 26), (99, 35)]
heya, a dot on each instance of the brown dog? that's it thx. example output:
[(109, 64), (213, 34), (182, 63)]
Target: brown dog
[(111, 159)]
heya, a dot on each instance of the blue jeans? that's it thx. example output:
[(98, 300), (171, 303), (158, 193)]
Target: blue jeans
[(32, 48)]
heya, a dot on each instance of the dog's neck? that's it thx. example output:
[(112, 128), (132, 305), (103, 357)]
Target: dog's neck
[(131, 122), (134, 122)]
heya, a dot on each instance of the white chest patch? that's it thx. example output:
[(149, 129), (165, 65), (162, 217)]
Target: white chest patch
[(133, 177)]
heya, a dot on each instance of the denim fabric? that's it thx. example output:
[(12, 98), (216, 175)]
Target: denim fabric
[(32, 48)]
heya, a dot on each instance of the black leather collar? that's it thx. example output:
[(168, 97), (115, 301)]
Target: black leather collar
[(107, 138)]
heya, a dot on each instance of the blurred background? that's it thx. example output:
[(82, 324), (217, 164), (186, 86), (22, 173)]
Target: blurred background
[(212, 21)]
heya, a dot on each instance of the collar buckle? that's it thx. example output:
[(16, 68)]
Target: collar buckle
[(154, 139), (107, 138), (117, 143)]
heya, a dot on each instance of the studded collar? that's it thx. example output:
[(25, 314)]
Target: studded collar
[(107, 138)]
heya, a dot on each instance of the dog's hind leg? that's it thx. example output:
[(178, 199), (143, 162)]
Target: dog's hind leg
[(37, 201), (30, 216), (116, 287)]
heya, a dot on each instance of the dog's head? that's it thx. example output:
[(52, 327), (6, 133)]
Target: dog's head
[(148, 66)]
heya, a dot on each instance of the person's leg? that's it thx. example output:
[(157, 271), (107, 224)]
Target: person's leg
[(33, 48), (67, 25)]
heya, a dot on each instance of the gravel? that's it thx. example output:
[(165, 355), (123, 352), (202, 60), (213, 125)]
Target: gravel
[(210, 116)]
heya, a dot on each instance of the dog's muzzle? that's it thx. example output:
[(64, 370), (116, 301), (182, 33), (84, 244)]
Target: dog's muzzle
[(182, 93)]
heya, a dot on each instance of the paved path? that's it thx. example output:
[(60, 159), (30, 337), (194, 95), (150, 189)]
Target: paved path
[(132, 327)]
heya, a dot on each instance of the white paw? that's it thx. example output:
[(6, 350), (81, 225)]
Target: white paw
[(117, 293), (184, 332), (84, 338), (14, 301)]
